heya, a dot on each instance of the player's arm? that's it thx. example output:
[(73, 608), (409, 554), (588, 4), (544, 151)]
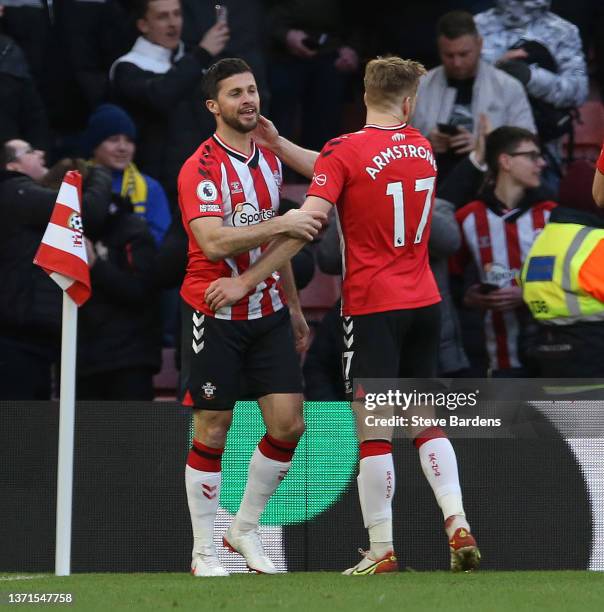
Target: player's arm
[(598, 185), (218, 242), (297, 158), (226, 291), (299, 325)]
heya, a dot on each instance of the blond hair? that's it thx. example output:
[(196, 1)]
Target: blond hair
[(389, 79)]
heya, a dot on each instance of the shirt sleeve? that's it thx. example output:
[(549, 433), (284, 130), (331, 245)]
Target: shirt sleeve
[(591, 275), (331, 172), (199, 192)]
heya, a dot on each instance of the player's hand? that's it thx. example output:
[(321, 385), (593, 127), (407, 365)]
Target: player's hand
[(216, 38), (301, 330), (512, 54), (225, 292), (302, 224), (265, 133), (440, 142), (347, 60), (294, 39), (463, 142)]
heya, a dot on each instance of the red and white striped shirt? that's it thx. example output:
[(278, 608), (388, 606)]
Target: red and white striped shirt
[(498, 244), (219, 181)]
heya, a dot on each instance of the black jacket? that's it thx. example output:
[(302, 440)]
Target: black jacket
[(22, 114), (169, 112), (30, 302), (119, 326)]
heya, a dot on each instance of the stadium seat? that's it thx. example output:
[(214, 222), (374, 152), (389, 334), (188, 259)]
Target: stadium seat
[(295, 192), (589, 131), (320, 295)]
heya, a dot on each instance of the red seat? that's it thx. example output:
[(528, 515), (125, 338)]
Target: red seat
[(589, 130), (320, 294)]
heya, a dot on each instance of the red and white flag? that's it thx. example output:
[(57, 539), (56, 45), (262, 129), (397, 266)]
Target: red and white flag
[(62, 252)]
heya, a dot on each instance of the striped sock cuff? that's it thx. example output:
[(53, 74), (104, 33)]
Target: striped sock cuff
[(204, 458), (278, 450), (428, 434), (372, 448)]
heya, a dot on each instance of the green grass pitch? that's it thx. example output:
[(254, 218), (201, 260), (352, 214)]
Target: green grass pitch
[(422, 591)]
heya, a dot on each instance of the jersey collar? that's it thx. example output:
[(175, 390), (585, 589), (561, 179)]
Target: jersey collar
[(400, 126), (251, 160)]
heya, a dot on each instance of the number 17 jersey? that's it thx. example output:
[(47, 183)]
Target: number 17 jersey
[(382, 181)]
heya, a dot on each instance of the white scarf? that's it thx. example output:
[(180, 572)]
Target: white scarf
[(149, 57)]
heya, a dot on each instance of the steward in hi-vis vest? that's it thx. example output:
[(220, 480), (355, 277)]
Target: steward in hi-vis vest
[(563, 286)]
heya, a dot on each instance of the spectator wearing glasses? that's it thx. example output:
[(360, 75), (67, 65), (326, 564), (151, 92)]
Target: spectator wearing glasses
[(498, 229)]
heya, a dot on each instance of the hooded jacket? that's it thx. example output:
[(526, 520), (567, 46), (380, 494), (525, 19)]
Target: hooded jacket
[(514, 21)]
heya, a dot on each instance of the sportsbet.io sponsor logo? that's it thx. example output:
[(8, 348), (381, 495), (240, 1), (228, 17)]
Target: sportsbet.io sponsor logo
[(246, 214)]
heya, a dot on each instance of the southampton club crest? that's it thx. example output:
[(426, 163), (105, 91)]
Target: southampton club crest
[(208, 390)]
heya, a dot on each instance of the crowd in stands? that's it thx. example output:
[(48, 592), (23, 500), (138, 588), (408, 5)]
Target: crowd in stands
[(113, 88)]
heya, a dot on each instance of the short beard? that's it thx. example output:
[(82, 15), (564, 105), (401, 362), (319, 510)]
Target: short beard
[(235, 124)]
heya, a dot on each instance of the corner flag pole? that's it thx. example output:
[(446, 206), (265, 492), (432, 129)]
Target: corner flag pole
[(66, 436), (62, 255)]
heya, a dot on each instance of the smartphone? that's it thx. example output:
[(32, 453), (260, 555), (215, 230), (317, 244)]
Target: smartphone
[(487, 288), (315, 44), (447, 128), (222, 13)]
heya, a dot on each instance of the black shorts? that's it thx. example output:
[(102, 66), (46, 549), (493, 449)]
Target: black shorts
[(391, 344), (226, 361)]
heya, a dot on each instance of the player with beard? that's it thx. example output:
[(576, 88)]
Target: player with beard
[(228, 193), (381, 181)]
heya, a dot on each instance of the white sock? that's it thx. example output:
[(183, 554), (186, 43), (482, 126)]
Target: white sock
[(376, 484), (439, 465), (263, 477), (203, 495)]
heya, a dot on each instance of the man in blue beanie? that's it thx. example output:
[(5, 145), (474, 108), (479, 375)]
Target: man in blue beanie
[(109, 141)]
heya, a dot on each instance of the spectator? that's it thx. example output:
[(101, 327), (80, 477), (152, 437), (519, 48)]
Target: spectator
[(544, 51), (110, 142), (463, 87), (119, 335), (563, 286), (313, 53), (246, 21), (498, 229), (158, 83), (30, 302), (22, 114)]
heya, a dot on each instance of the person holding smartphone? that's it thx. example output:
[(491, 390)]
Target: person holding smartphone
[(452, 96), (498, 229)]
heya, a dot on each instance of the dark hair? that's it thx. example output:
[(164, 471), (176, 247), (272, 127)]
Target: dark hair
[(504, 140), (222, 69), (7, 155), (139, 8), (455, 24)]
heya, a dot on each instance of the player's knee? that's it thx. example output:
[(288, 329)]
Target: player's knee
[(295, 429)]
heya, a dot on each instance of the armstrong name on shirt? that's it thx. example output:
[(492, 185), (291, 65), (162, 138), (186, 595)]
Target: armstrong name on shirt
[(397, 152)]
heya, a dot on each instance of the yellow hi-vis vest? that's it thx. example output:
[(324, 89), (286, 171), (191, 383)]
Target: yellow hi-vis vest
[(550, 275)]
